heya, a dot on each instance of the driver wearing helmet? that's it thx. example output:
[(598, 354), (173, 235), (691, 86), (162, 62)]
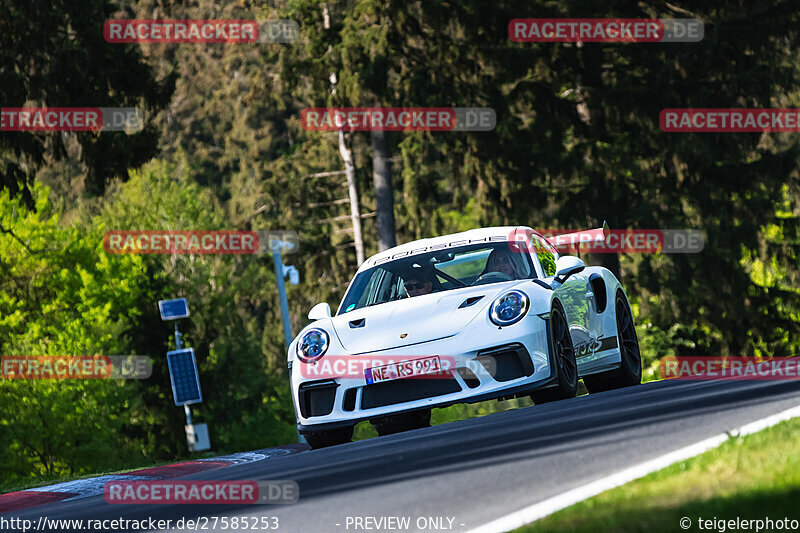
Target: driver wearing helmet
[(418, 280), (500, 261)]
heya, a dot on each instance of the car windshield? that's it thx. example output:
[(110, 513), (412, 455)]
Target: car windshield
[(441, 270)]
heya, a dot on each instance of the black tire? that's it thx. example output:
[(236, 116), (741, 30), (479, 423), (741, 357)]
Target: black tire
[(563, 359), (630, 370), (403, 422), (331, 437)]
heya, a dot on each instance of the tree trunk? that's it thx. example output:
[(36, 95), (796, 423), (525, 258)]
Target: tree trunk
[(604, 205), (384, 194), (349, 167), (350, 172)]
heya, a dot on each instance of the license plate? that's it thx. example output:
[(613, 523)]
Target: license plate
[(403, 369)]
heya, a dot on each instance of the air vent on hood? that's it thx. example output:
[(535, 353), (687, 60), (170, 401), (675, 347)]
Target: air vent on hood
[(360, 323), (470, 301)]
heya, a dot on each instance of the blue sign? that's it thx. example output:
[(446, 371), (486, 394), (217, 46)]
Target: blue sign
[(184, 377), (172, 309)]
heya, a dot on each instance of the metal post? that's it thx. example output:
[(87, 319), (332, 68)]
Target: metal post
[(177, 337), (186, 409), (287, 327)]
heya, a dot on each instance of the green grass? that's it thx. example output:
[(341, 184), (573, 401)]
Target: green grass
[(751, 477)]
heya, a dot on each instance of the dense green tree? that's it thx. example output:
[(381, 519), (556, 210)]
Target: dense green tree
[(61, 294), (53, 54)]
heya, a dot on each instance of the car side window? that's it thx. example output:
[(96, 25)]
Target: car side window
[(376, 287), (546, 257)]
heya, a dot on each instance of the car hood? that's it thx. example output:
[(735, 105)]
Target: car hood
[(414, 320)]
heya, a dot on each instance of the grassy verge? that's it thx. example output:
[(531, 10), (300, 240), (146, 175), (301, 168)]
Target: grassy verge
[(751, 477)]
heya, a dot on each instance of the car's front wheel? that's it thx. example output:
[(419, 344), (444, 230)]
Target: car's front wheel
[(630, 370), (562, 358), (330, 437)]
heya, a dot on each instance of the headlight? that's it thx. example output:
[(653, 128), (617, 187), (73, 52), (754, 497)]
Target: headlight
[(509, 308), (312, 345)]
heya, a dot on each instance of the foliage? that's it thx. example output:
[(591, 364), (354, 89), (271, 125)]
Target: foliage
[(53, 55), (63, 295)]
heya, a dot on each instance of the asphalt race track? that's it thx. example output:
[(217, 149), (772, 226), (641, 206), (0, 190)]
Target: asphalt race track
[(466, 474)]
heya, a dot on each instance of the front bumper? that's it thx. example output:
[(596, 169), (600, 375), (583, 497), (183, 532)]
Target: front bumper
[(505, 362)]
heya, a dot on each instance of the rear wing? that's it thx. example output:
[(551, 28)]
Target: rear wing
[(575, 239), (557, 241), (571, 242)]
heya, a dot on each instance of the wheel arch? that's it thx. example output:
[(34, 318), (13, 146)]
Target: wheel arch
[(601, 278)]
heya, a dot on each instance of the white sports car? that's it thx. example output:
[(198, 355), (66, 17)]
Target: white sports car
[(485, 314)]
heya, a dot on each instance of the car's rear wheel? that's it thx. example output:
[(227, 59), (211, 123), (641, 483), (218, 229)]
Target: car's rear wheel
[(330, 437), (563, 360), (402, 422), (630, 370)]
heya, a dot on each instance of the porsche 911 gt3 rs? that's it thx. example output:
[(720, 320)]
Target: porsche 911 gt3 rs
[(484, 314)]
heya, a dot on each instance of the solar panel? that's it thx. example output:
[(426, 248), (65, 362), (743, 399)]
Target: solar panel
[(172, 309), (184, 377)]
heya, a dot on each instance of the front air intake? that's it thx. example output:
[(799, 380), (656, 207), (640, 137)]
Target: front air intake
[(316, 398), (508, 362), (470, 301)]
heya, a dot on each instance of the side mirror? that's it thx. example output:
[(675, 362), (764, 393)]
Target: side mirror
[(319, 311), (566, 266)]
